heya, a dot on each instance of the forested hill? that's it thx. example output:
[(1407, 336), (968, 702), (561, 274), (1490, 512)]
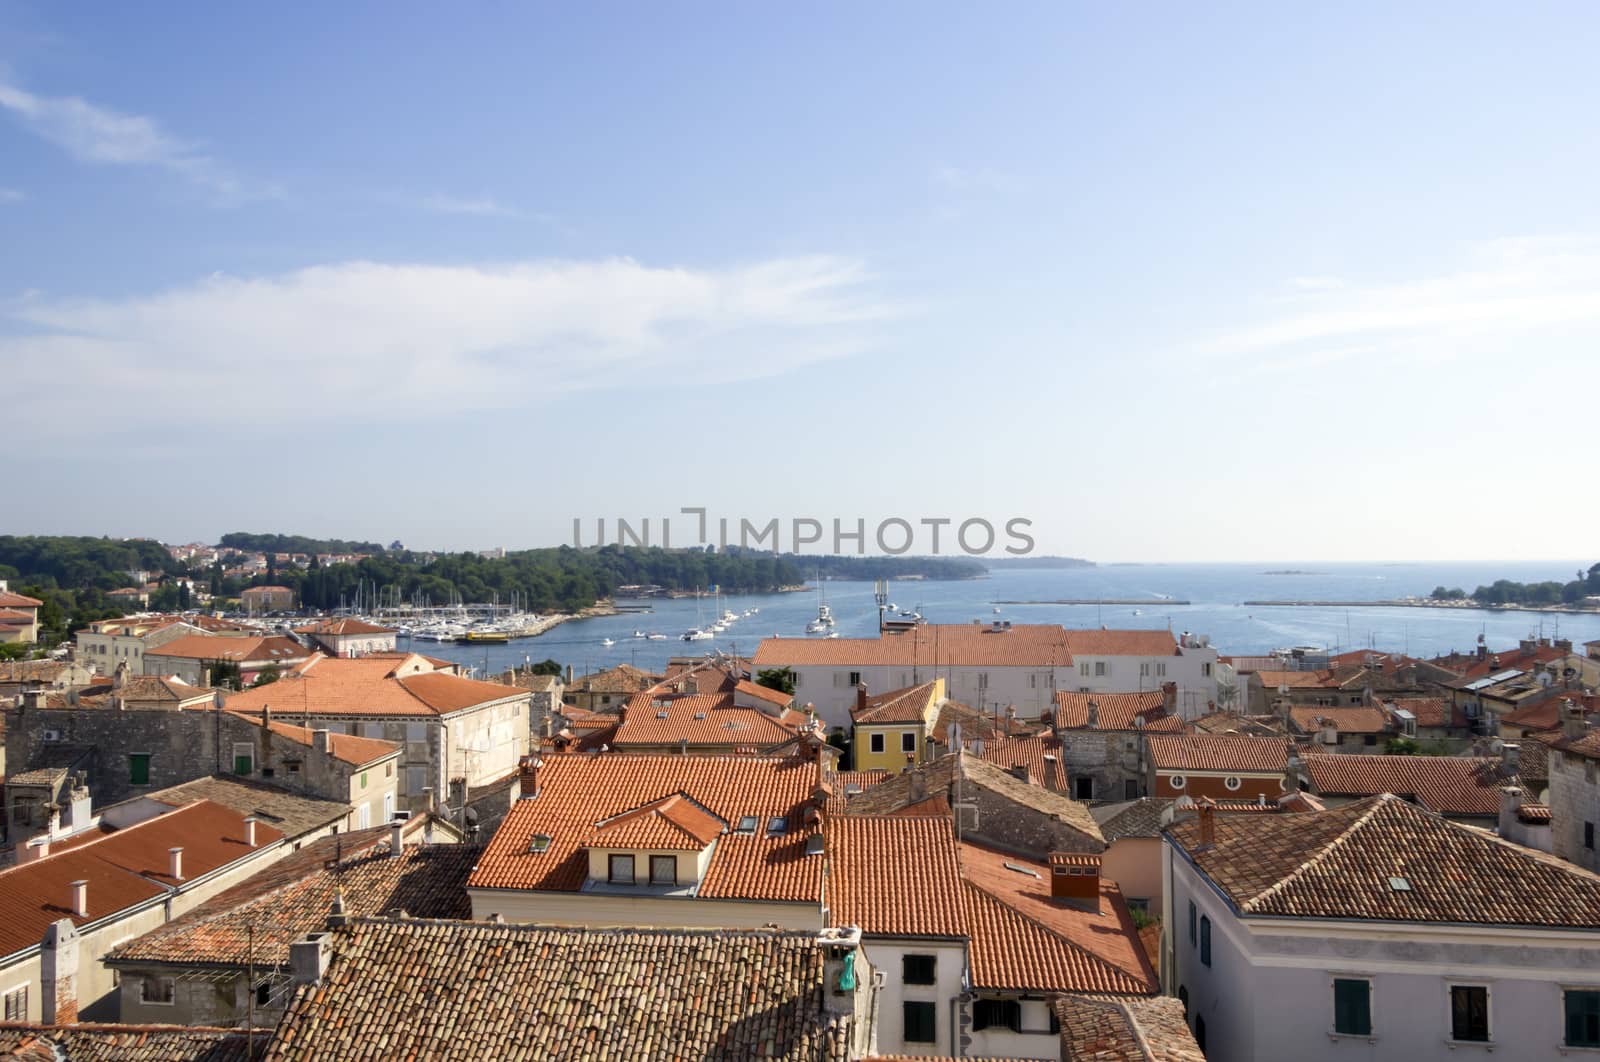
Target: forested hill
[(250, 542), (1507, 592)]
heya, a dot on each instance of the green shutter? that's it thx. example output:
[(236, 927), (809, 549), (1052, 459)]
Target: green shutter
[(1352, 1007), (139, 768), (1583, 1019)]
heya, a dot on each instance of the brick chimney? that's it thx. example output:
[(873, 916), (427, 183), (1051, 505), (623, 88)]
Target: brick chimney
[(528, 770), (58, 973), (1075, 876), (1206, 812), (861, 696), (1169, 698), (175, 863)]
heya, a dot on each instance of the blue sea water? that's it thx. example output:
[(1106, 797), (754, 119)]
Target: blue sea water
[(1215, 593)]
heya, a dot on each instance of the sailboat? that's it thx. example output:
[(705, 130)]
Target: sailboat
[(824, 621)]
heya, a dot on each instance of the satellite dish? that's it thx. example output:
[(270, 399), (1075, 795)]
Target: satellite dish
[(1497, 746)]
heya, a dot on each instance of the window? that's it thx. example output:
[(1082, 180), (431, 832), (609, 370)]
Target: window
[(1144, 668), (161, 990), (908, 741), (138, 768), (1130, 789), (1161, 669), (263, 993), (1205, 670), (1352, 1006), (777, 826), (244, 756), (1099, 669), (620, 871), (855, 678), (1183, 998), (1469, 1012), (983, 680), (1583, 1017), (1233, 783), (1194, 920), (747, 824), (1370, 739), (997, 1014), (1083, 788), (663, 870), (919, 1022), (1083, 668), (875, 742), (918, 969), (1177, 781), (17, 1004), (363, 816), (539, 842), (388, 807), (1205, 941)]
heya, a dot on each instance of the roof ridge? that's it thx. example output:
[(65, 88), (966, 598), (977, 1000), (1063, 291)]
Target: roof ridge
[(1336, 844)]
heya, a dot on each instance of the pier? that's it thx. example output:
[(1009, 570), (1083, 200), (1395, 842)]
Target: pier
[(1142, 602)]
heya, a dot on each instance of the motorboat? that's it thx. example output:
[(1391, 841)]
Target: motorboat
[(639, 634), (607, 642), (655, 636), (697, 635)]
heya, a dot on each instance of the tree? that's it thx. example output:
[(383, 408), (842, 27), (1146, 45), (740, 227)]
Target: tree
[(266, 676), (777, 678), (225, 674), (841, 741), (546, 667), (1400, 746), (1440, 593)]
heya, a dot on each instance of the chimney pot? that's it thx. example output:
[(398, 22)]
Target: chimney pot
[(175, 863), (397, 831), (250, 831)]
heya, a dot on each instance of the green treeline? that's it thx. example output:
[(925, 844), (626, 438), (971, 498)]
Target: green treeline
[(250, 542), (1506, 592)]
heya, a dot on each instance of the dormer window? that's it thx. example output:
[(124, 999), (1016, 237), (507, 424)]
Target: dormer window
[(663, 870), (777, 826), (747, 824), (620, 870)]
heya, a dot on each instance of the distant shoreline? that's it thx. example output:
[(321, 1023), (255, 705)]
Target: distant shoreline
[(1470, 606)]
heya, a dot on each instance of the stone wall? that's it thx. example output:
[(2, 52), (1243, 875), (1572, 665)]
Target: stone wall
[(1574, 801)]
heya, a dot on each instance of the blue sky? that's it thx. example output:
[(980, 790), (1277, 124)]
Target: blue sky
[(1175, 283)]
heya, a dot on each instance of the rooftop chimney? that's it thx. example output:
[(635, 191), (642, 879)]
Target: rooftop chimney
[(308, 959), (1510, 802), (80, 898), (175, 863), (1572, 722), (266, 715), (1206, 810), (1019, 771), (58, 973), (861, 695), (530, 778), (1094, 713), (250, 830), (397, 842), (319, 740), (1075, 876), (1510, 758), (1169, 698)]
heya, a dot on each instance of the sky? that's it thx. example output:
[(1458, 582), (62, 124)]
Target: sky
[(1169, 282)]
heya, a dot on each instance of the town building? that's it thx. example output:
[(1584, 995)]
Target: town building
[(1458, 787), (194, 658), (348, 636), (1137, 661), (892, 731), (537, 992), (51, 676), (19, 617), (1220, 766), (702, 724), (256, 600), (1101, 738), (1355, 728), (1575, 791), (1377, 929), (610, 688), (228, 959), (458, 734)]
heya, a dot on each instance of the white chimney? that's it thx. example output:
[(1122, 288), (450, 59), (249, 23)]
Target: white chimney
[(396, 840), (250, 831), (80, 899), (175, 863)]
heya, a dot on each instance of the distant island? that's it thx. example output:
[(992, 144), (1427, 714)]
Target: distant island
[(1036, 563), (1293, 571)]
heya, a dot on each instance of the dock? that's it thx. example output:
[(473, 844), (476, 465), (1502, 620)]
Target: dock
[(1142, 602)]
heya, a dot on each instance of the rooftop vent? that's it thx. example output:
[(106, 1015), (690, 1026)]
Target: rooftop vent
[(814, 844), (1399, 884), (1014, 868)]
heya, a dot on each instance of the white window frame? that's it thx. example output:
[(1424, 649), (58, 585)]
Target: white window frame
[(1232, 783), (1333, 1006), (363, 815), (1177, 781), (875, 741), (1488, 1012)]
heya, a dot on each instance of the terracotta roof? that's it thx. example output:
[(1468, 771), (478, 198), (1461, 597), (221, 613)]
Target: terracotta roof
[(531, 992), (1450, 785), (123, 869), (1114, 711), (347, 748), (929, 645), (269, 649), (909, 705), (91, 1042), (575, 792), (624, 678), (1534, 814), (1234, 723), (1122, 643), (1384, 859), (292, 898), (32, 670), (1023, 938), (916, 784), (672, 824), (702, 719), (1296, 679), (1042, 755), (1132, 818), (1519, 659), (294, 814), (1188, 753), (1432, 711), (1587, 746), (763, 693), (162, 689), (973, 723), (1356, 719), (343, 627), (380, 685), (1546, 715), (895, 876), (8, 599), (1105, 1029)]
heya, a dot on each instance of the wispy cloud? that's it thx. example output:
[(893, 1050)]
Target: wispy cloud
[(1521, 295), (12, 195), (360, 338), (481, 206), (101, 136)]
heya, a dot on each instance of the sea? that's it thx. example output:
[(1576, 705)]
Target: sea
[(1215, 594)]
